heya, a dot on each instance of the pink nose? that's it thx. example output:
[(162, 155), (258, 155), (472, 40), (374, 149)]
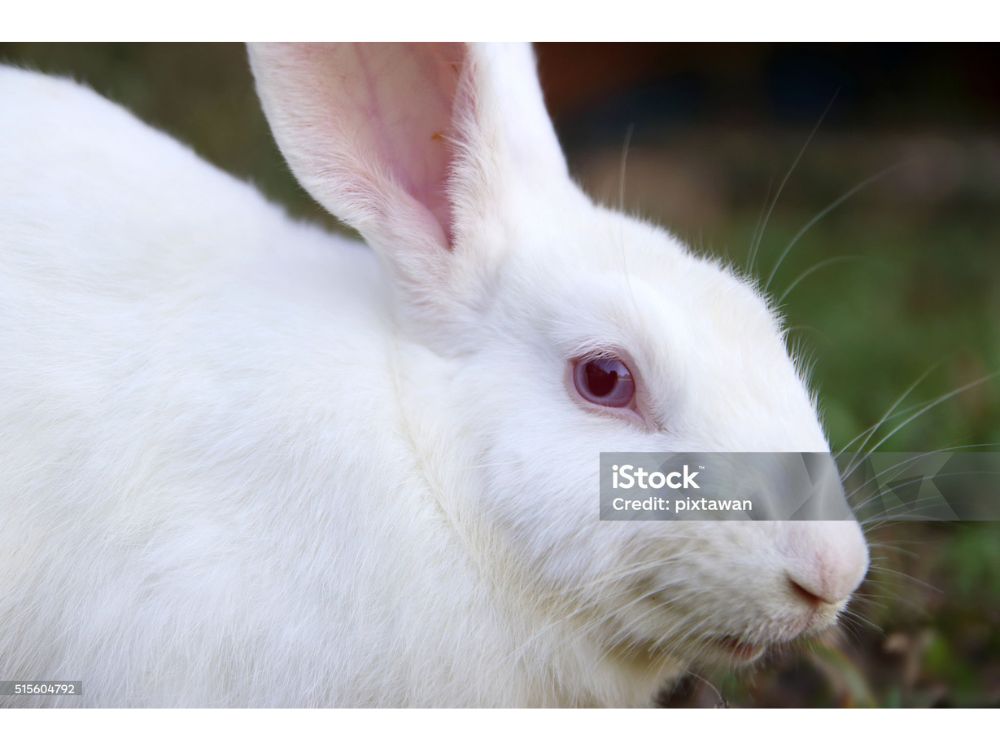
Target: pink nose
[(827, 560)]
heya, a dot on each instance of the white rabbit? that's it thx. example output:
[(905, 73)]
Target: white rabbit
[(244, 462)]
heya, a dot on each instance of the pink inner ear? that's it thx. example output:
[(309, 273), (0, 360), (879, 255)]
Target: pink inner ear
[(408, 96)]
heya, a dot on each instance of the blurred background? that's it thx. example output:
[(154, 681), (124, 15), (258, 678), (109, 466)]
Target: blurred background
[(888, 232)]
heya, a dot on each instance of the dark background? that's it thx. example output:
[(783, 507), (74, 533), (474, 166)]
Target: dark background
[(901, 275)]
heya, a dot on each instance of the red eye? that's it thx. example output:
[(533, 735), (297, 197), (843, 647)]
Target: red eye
[(605, 381)]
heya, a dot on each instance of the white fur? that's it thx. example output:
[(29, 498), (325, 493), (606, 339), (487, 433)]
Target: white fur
[(243, 462)]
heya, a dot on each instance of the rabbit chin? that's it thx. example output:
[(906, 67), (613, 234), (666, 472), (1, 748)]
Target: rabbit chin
[(671, 658), (739, 649)]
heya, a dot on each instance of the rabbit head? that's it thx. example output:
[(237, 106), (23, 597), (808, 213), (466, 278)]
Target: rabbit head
[(568, 329)]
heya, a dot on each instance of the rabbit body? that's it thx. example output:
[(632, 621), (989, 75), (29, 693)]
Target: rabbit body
[(195, 391)]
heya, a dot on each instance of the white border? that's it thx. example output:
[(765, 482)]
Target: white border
[(506, 20), (815, 729)]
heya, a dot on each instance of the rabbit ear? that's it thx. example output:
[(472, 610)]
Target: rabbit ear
[(406, 142)]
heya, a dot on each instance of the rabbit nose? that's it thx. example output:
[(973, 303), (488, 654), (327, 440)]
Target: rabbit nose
[(812, 598), (828, 562)]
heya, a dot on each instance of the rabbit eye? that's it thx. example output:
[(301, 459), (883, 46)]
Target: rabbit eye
[(605, 381)]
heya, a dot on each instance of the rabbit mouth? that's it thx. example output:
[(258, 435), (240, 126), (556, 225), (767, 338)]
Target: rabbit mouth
[(743, 651)]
